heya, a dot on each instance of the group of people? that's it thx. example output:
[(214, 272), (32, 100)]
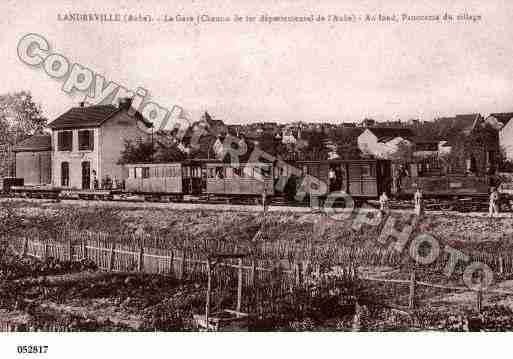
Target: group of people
[(493, 208), (417, 200)]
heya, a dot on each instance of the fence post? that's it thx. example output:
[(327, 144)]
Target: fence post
[(209, 290), (252, 273), (182, 264), (111, 256), (45, 250), (25, 247), (299, 274), (171, 264), (140, 262), (239, 286), (84, 248), (411, 299), (70, 250)]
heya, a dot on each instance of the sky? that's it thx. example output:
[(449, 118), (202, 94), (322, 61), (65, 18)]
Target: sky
[(248, 72)]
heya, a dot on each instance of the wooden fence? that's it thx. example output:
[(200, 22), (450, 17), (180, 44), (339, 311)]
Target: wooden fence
[(182, 263)]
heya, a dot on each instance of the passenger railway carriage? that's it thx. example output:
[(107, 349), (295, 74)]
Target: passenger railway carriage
[(361, 179), (197, 177)]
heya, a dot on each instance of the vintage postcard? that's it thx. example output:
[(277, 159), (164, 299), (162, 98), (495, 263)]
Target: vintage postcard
[(243, 166)]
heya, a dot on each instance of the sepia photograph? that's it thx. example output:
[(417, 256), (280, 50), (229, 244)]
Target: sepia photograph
[(336, 169)]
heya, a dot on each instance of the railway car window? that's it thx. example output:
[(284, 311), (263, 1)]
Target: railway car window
[(265, 171), (86, 140), (65, 140), (366, 170), (131, 172), (238, 171), (138, 172), (219, 172), (305, 170), (146, 172), (229, 172)]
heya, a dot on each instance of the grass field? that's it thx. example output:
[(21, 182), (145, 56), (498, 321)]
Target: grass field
[(80, 298)]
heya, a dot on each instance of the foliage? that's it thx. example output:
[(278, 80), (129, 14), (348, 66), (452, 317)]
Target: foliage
[(20, 117), (138, 151)]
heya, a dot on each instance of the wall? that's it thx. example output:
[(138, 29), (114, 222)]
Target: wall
[(113, 134), (34, 167), (506, 140), (75, 159)]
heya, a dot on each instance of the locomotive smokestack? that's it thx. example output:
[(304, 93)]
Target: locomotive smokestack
[(125, 103)]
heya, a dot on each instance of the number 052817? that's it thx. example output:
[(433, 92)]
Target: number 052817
[(32, 349)]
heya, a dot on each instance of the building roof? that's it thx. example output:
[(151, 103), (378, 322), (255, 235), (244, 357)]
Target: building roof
[(385, 134), (426, 146), (36, 143), (90, 116)]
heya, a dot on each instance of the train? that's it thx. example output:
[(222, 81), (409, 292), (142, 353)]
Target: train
[(216, 181), (207, 179)]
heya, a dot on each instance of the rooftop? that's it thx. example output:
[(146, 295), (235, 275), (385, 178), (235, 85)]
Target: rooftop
[(90, 116), (36, 143)]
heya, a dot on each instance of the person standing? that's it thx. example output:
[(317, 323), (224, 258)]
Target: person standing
[(383, 204), (332, 179), (95, 180), (418, 202), (264, 200), (494, 203)]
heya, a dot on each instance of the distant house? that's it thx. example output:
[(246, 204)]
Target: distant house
[(288, 138), (87, 143), (367, 122), (503, 123), (385, 142), (34, 160), (474, 144)]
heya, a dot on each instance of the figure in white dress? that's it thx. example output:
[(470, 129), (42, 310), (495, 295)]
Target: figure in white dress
[(383, 204), (418, 202), (494, 202)]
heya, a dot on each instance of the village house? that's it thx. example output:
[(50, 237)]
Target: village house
[(385, 142), (502, 121), (474, 145), (87, 143)]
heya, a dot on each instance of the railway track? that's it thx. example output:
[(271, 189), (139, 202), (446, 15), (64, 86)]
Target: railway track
[(462, 206)]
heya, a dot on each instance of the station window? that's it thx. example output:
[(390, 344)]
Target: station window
[(65, 141), (86, 140)]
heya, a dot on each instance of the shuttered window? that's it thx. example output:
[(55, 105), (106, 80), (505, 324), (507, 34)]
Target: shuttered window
[(86, 140), (65, 141)]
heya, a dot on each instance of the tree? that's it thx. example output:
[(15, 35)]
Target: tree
[(20, 117), (138, 151)]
